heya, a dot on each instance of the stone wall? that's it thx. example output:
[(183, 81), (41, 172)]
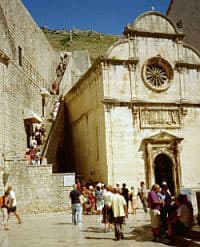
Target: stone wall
[(31, 64), (86, 121), (188, 17), (38, 190)]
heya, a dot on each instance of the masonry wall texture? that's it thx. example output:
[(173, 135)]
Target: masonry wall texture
[(20, 85), (27, 64), (37, 190), (188, 13)]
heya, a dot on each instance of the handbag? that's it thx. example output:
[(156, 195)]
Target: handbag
[(82, 199)]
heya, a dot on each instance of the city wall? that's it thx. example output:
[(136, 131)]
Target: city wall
[(37, 189), (30, 65)]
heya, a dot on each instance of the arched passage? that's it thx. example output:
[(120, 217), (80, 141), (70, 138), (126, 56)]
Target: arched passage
[(163, 171)]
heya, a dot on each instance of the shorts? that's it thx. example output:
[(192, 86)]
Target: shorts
[(119, 220), (12, 210), (155, 218), (107, 215)]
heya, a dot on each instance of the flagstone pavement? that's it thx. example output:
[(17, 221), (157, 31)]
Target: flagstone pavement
[(56, 230)]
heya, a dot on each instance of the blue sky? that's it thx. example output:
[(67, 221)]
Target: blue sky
[(105, 16)]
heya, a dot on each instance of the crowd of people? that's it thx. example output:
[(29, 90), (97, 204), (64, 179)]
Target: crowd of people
[(8, 205), (169, 215), (110, 202), (33, 154)]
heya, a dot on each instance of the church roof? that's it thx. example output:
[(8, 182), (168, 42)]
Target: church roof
[(152, 23)]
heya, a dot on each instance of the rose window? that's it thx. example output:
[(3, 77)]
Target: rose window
[(157, 74)]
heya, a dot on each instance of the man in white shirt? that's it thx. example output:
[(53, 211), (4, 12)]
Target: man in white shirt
[(119, 211), (12, 203)]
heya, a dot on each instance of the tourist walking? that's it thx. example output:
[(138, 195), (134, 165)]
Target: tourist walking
[(154, 202), (108, 219), (119, 207), (142, 193), (12, 203), (91, 200), (133, 200), (165, 208), (99, 200), (76, 206), (125, 194), (118, 188), (4, 209)]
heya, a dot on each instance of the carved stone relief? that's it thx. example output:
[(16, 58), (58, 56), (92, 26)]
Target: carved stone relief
[(160, 118)]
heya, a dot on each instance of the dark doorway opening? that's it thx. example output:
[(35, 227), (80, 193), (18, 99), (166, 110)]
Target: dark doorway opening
[(163, 171), (29, 132)]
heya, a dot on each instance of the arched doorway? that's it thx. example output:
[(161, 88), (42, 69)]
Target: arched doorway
[(163, 171)]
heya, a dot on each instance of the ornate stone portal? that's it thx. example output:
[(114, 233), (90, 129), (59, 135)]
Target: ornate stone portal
[(162, 152)]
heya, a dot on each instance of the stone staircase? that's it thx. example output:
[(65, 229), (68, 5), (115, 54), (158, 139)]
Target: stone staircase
[(48, 120)]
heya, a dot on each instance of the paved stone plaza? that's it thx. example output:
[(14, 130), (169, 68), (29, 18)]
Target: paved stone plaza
[(56, 230)]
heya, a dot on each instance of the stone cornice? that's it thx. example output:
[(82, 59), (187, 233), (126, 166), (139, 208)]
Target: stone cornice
[(117, 102), (128, 31), (120, 61), (183, 64)]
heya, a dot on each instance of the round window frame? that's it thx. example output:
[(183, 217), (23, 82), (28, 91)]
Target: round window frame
[(166, 67)]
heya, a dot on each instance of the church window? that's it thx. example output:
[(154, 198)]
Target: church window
[(157, 74)]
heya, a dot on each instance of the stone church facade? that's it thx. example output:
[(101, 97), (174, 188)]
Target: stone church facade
[(135, 114)]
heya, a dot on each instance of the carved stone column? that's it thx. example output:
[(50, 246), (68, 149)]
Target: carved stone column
[(181, 71), (178, 168), (132, 75), (131, 54), (105, 75), (149, 166)]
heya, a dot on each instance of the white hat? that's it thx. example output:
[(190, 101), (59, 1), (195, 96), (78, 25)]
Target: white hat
[(99, 184), (91, 187)]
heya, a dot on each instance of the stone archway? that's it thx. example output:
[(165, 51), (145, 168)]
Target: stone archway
[(163, 171), (162, 154)]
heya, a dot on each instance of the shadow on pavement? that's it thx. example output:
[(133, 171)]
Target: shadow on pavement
[(94, 229), (63, 223), (100, 238)]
